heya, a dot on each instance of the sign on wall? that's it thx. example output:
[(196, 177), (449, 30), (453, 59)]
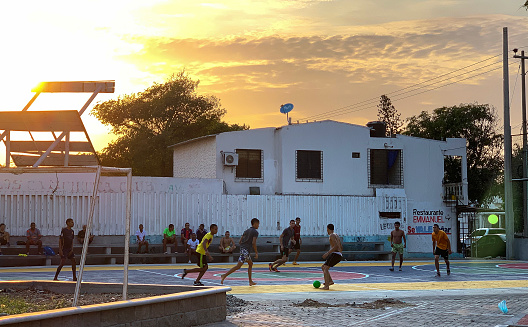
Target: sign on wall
[(420, 227)]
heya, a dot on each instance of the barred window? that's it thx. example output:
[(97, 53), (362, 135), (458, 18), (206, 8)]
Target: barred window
[(309, 166), (249, 164), (385, 168)]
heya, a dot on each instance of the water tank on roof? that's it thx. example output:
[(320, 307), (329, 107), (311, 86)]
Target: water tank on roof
[(377, 128)]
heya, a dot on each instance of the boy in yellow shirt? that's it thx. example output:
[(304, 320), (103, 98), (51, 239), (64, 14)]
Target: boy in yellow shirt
[(202, 254), (441, 247)]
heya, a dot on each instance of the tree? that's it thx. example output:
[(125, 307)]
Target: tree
[(478, 124), (389, 115), (148, 122), (526, 5)]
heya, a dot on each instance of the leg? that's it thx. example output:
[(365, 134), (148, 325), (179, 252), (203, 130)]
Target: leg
[(326, 277), (437, 264), (392, 261), (297, 256), (232, 270), (401, 260), (202, 272), (139, 247), (146, 247), (74, 268), (39, 245), (164, 245), (59, 268), (280, 261), (250, 271), (446, 259), (27, 246)]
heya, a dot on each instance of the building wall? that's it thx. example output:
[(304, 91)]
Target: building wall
[(195, 159)]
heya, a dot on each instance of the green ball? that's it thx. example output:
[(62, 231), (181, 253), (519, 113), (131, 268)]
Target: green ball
[(493, 219), (317, 284)]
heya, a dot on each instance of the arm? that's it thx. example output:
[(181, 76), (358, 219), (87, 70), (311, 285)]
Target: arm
[(280, 241), (232, 243), (434, 245), (60, 245), (38, 234), (449, 245), (255, 247), (404, 240), (207, 249), (392, 244)]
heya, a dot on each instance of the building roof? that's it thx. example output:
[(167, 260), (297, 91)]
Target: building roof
[(192, 140)]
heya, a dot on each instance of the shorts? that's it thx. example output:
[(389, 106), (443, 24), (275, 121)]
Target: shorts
[(443, 253), (333, 259), (244, 256), (285, 251), (297, 245), (202, 259), (67, 254), (397, 248)]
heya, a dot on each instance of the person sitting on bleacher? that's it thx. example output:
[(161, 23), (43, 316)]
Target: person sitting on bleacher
[(82, 233), (192, 244), (4, 237), (141, 239), (169, 237), (227, 245), (186, 233), (33, 238), (200, 232)]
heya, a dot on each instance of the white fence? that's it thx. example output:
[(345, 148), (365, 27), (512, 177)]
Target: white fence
[(351, 215)]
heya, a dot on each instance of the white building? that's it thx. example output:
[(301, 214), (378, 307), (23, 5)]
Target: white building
[(330, 158)]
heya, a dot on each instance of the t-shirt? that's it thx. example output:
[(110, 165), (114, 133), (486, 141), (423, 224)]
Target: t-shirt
[(246, 242), (186, 233), (141, 234), (168, 232), (67, 238), (204, 244), (287, 234), (297, 230), (193, 244), (200, 234), (81, 233), (441, 239), (33, 234)]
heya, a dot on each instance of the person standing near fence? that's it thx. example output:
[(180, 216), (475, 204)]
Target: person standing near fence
[(297, 238), (66, 248)]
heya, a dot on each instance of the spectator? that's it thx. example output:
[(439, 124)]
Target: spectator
[(200, 233), (227, 245), (169, 237), (33, 238), (4, 237), (185, 235), (82, 233), (192, 244), (141, 240)]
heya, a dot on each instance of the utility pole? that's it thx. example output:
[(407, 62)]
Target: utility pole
[(524, 147), (508, 190)]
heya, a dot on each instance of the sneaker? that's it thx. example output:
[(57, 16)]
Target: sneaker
[(184, 273), (271, 267), (197, 283), (276, 270), (448, 272), (391, 269), (400, 269), (189, 261), (166, 252), (295, 263), (437, 274)]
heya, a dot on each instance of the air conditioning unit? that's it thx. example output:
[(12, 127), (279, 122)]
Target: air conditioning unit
[(230, 159)]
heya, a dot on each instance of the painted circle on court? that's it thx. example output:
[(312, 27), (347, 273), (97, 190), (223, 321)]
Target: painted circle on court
[(283, 275)]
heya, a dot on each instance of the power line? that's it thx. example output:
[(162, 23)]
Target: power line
[(369, 102)]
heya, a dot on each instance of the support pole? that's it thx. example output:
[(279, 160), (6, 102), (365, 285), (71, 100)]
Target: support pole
[(524, 149), (508, 190), (127, 233), (87, 236)]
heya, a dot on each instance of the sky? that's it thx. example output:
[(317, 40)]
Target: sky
[(330, 59)]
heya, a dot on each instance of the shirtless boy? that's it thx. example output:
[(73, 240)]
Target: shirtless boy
[(396, 244), (227, 245), (333, 256)]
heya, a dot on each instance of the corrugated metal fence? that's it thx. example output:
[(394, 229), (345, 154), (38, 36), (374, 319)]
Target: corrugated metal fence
[(351, 215)]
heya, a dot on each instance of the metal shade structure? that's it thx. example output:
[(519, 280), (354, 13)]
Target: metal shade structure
[(61, 151)]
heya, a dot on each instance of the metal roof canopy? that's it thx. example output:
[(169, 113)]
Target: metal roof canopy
[(52, 121), (98, 170)]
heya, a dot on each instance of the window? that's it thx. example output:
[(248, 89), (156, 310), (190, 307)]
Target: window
[(249, 164), (309, 166), (385, 168), (390, 215)]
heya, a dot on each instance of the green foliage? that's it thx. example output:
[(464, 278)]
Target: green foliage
[(389, 115), (526, 5), (13, 305), (478, 124), (147, 123)]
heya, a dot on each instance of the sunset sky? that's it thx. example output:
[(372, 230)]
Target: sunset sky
[(323, 56)]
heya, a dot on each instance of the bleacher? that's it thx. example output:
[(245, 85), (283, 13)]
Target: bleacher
[(110, 250)]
